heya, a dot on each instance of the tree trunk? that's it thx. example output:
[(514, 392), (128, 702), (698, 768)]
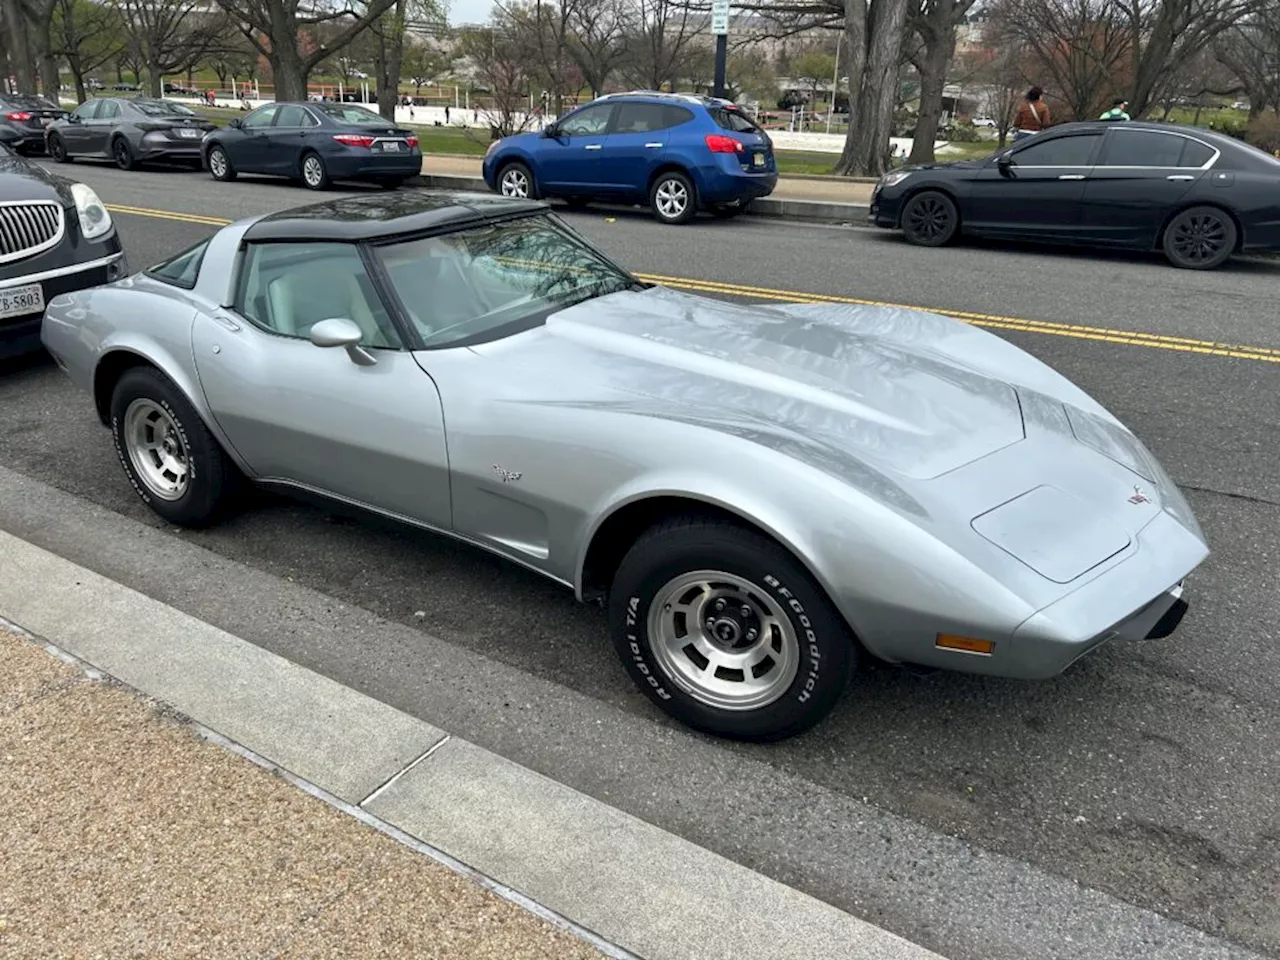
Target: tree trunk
[(19, 47), (288, 73), (933, 81), (153, 81), (873, 33), (77, 74), (390, 56)]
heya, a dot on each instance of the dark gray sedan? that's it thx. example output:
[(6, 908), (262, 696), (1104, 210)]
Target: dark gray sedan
[(129, 131)]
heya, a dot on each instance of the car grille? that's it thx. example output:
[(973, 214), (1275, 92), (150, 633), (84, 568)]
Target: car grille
[(27, 227)]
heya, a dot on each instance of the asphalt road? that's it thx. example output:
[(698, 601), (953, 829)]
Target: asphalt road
[(1147, 773)]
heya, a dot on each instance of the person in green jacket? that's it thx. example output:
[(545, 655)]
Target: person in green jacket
[(1117, 111)]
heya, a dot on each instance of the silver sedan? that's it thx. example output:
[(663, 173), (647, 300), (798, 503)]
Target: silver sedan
[(760, 495)]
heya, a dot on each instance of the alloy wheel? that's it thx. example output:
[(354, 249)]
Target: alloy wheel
[(672, 198), (928, 219), (515, 183), (313, 171), (156, 450), (1199, 238), (725, 641), (218, 163)]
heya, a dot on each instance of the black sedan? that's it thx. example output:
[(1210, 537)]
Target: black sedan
[(316, 143), (129, 131), (55, 237), (23, 120), (1197, 195)]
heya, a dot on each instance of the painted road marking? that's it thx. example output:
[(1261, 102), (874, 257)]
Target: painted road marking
[(1047, 327)]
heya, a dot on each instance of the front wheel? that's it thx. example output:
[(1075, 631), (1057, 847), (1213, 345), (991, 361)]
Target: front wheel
[(174, 463), (516, 181), (58, 150), (930, 219), (1200, 238), (671, 198), (315, 176), (220, 167), (727, 632)]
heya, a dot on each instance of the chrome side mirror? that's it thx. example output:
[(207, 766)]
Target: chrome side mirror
[(341, 332)]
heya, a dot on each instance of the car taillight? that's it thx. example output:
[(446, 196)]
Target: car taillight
[(411, 141), (719, 143), (354, 139), (18, 115)]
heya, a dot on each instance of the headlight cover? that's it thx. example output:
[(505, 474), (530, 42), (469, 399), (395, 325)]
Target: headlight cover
[(92, 213), (893, 178)]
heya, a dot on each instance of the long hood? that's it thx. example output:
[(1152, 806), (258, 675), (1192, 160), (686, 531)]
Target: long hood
[(20, 180), (823, 382)]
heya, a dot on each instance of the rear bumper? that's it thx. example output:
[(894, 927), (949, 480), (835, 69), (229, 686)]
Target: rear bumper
[(355, 166), (28, 142), (164, 148), (723, 185)]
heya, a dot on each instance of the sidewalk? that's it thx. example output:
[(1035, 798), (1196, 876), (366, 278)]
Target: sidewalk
[(127, 835), (825, 199)]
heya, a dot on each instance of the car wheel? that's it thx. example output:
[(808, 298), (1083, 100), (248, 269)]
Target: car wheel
[(173, 461), (1200, 238), (122, 153), (315, 176), (727, 632), (516, 180), (58, 150), (672, 199), (930, 219), (727, 211), (220, 167)]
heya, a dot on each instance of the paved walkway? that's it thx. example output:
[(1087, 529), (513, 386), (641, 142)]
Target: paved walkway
[(125, 835), (831, 190)]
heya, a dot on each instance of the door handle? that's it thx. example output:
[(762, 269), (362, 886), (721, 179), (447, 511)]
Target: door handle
[(1180, 176), (592, 146), (1072, 176), (652, 146)]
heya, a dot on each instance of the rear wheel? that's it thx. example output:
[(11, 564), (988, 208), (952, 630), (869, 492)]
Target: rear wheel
[(220, 164), (516, 180), (58, 149), (315, 176), (930, 219), (1200, 238), (672, 198), (727, 632), (122, 153)]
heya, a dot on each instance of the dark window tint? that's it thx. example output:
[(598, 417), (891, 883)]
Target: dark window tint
[(260, 118), (639, 118), (108, 111), (730, 118), (1142, 148), (591, 121), (1058, 152), (1195, 153), (291, 115), (288, 288), (183, 269), (674, 116)]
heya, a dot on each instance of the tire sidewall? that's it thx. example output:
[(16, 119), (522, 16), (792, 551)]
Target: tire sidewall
[(827, 651), (1232, 234), (60, 155), (226, 159), (528, 175), (324, 171), (128, 163), (690, 209), (954, 213)]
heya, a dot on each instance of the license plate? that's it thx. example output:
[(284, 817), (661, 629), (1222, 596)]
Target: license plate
[(19, 301), (757, 160), (391, 146), (188, 133)]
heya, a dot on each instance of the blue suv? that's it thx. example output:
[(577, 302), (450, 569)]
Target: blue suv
[(677, 153)]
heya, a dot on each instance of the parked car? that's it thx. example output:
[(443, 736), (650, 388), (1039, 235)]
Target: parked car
[(55, 237), (1197, 195), (125, 87), (984, 122), (27, 115), (760, 494), (129, 131), (316, 143), (679, 154)]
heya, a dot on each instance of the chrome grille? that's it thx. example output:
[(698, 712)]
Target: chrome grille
[(29, 226)]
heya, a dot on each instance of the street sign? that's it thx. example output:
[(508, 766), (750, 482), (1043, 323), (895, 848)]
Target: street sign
[(720, 17)]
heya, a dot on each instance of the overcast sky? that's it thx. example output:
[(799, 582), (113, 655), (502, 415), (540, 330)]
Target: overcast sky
[(469, 11)]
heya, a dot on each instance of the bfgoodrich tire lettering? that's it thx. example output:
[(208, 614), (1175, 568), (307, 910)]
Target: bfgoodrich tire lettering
[(144, 394), (776, 589)]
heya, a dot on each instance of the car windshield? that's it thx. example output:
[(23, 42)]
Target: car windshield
[(163, 108), (490, 281), (351, 114), (731, 118)]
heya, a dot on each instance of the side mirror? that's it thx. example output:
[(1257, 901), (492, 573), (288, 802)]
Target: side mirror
[(234, 123), (1004, 160), (551, 131), (73, 118), (340, 332)]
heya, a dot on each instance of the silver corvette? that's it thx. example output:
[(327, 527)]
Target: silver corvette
[(759, 494)]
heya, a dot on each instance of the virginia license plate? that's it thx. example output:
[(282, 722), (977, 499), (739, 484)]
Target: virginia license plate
[(188, 133), (18, 301), (757, 159)]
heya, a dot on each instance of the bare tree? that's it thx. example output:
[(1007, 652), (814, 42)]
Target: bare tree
[(169, 36), (661, 34), (1251, 51), (277, 29), (597, 42), (546, 29), (87, 35), (388, 39), (873, 32), (933, 23), (502, 67), (18, 44)]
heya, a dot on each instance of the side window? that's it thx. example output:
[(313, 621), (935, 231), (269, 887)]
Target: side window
[(287, 288), (1141, 148), (1195, 153), (260, 118), (1058, 152), (674, 116), (87, 110), (108, 111), (182, 270), (591, 121), (639, 118), (292, 115)]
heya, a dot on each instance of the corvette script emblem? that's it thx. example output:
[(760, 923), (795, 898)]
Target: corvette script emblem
[(1139, 496)]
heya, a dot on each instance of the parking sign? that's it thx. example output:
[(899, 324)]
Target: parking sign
[(720, 17)]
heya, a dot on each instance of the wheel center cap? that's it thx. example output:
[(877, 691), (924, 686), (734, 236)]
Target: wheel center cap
[(726, 631)]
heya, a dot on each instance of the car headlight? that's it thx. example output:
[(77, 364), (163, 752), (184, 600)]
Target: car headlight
[(94, 219), (894, 178)]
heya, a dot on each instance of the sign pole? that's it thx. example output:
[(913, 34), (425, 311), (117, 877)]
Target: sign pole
[(720, 27)]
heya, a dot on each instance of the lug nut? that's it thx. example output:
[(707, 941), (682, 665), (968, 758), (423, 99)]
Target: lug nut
[(746, 611), (751, 634), (710, 623), (720, 604)]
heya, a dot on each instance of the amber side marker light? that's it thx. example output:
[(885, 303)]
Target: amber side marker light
[(965, 644)]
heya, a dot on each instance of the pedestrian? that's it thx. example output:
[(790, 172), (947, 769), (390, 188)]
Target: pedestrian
[(1032, 116), (446, 113), (1119, 106)]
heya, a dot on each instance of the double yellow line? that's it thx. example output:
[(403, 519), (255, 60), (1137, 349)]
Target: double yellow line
[(1049, 328)]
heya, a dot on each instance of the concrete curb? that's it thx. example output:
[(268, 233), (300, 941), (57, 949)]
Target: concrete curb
[(613, 879), (811, 211)]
